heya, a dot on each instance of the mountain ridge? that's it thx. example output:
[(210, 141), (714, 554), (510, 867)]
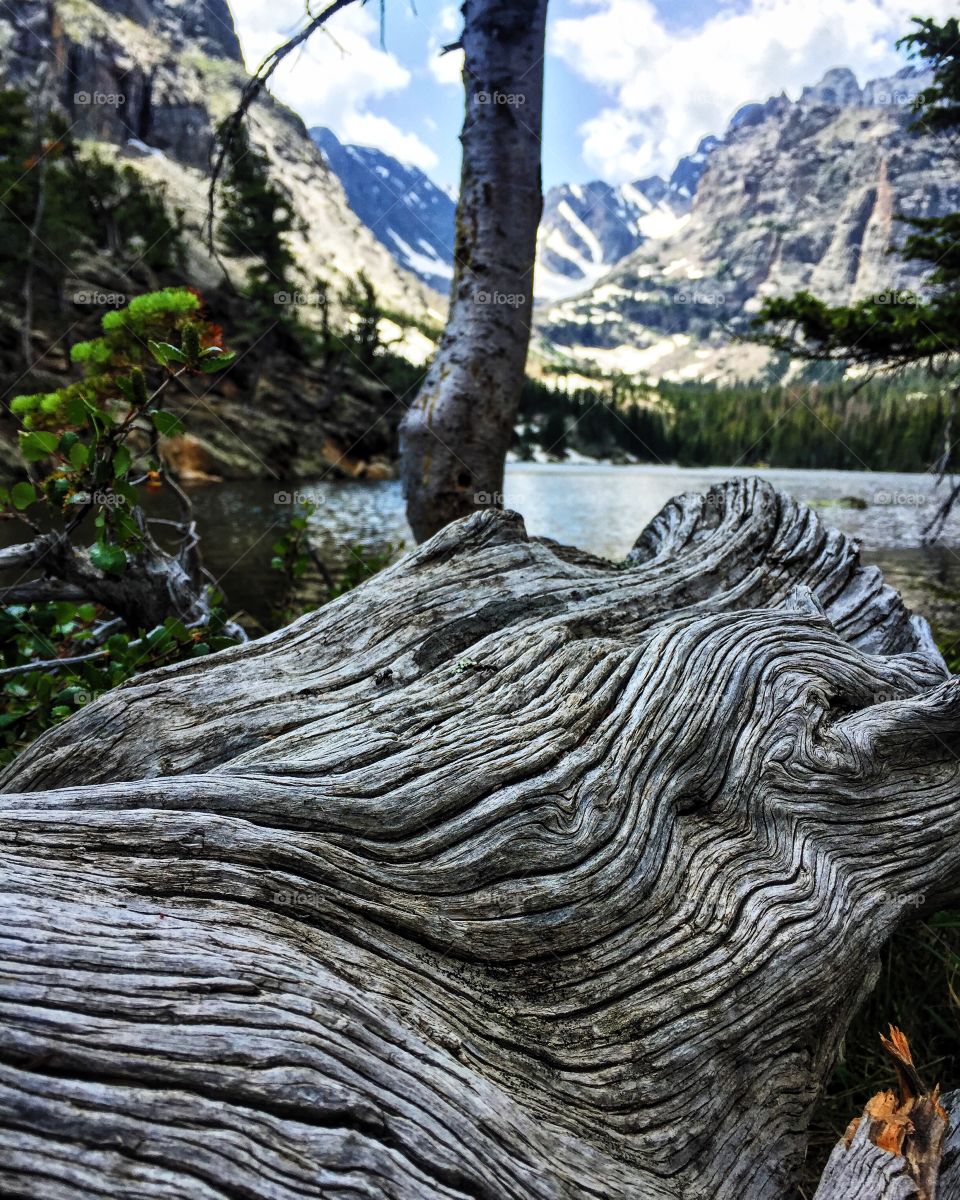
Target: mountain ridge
[(797, 195), (590, 233), (404, 209)]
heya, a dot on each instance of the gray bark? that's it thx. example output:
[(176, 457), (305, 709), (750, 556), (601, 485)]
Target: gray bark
[(455, 437), (512, 873)]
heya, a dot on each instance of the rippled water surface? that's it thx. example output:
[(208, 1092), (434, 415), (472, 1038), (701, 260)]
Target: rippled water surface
[(599, 508)]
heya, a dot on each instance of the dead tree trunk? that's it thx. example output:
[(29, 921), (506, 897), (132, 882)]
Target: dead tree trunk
[(155, 585), (455, 437), (511, 873)]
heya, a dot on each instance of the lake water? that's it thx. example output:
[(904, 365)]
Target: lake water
[(597, 507)]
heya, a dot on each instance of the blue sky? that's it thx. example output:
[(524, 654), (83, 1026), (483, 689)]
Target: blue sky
[(630, 85)]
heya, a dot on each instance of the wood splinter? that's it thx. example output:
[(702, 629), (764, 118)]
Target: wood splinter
[(908, 1122)]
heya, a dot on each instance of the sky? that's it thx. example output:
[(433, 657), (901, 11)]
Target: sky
[(630, 85)]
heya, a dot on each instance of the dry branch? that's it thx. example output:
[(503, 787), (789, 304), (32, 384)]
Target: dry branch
[(896, 1148)]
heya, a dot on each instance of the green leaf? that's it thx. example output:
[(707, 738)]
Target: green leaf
[(75, 410), (209, 365), (79, 455), (121, 461), (165, 354), (34, 446), (23, 495), (126, 527), (112, 559), (165, 423), (122, 488), (65, 611)]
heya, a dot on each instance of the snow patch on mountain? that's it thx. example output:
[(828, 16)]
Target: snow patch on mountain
[(797, 195), (588, 228), (400, 205)]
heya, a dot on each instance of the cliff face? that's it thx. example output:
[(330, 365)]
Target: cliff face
[(797, 195), (152, 79)]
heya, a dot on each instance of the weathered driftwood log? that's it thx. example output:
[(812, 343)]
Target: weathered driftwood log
[(511, 873)]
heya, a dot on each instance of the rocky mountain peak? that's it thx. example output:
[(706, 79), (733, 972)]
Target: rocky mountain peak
[(838, 88), (896, 90), (689, 170), (797, 195), (208, 22), (205, 25), (754, 114)]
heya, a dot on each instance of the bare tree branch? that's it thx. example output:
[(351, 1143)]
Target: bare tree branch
[(252, 89)]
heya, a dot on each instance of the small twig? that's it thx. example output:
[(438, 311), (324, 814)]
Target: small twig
[(252, 89), (51, 664)]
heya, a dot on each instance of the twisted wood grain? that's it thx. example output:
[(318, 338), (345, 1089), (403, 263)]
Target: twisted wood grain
[(512, 873)]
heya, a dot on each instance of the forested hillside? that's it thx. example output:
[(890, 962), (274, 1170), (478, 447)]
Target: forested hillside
[(892, 425)]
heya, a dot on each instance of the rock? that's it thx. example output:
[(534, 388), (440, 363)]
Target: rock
[(190, 459), (798, 195), (837, 88), (379, 468)]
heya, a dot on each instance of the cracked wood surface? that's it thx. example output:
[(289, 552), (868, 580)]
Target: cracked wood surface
[(512, 873)]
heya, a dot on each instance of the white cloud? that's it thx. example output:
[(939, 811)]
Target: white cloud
[(365, 129), (334, 76), (446, 68), (669, 89)]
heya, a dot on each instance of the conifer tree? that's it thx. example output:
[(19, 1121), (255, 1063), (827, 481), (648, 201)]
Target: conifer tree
[(255, 224)]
